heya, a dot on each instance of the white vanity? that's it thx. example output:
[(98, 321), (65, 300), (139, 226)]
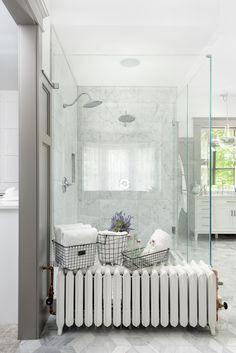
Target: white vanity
[(8, 262), (223, 214)]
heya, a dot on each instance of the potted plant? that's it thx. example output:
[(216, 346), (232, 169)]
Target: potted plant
[(121, 223), (112, 242)]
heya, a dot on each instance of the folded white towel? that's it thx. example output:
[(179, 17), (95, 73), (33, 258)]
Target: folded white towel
[(75, 234), (59, 229), (79, 237), (159, 241), (109, 232)]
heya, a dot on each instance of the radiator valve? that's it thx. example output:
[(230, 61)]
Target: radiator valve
[(50, 299), (221, 304)]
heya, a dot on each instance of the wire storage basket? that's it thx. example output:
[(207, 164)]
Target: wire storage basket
[(133, 259), (110, 248), (75, 257)]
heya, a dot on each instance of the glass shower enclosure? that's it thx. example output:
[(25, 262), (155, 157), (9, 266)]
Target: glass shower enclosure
[(194, 116), (139, 151)]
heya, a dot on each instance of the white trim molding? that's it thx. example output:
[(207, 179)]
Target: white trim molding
[(39, 11)]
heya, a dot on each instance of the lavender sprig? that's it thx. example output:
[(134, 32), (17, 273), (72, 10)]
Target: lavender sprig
[(121, 223)]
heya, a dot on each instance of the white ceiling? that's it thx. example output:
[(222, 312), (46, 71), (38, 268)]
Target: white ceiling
[(134, 12), (108, 29), (99, 70)]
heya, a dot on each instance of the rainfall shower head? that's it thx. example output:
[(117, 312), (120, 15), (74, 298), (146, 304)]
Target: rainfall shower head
[(90, 104), (126, 119)]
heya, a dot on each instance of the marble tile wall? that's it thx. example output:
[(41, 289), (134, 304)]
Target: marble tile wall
[(154, 109), (64, 137)]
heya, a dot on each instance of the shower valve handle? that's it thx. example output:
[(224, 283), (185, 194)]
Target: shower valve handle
[(65, 184)]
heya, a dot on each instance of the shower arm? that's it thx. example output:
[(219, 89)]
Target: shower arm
[(76, 99)]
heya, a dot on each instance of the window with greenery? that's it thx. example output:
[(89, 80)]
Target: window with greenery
[(223, 157)]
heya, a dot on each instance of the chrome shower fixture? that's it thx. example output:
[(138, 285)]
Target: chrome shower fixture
[(65, 184), (126, 119), (90, 104)]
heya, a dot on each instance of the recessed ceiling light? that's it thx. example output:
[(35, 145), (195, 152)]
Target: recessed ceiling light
[(130, 62)]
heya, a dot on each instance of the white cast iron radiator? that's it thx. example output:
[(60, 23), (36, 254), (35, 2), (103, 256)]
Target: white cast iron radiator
[(171, 295)]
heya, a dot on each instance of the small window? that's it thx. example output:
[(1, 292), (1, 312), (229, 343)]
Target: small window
[(223, 158), (118, 167)]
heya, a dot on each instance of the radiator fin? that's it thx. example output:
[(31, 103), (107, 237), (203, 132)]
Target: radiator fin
[(183, 295), (98, 298), (126, 299), (145, 299), (107, 290), (88, 320), (60, 317), (155, 298), (79, 298), (136, 299), (69, 299), (117, 291), (164, 297), (174, 297)]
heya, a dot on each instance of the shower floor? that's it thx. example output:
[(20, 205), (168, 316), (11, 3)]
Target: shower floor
[(148, 340)]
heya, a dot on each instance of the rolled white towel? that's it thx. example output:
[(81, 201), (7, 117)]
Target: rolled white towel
[(81, 236), (159, 241), (61, 228), (162, 239)]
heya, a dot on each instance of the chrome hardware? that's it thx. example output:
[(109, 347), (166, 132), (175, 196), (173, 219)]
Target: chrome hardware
[(65, 184), (52, 84)]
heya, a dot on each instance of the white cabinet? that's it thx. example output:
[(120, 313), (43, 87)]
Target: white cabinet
[(8, 263), (223, 215), (202, 216)]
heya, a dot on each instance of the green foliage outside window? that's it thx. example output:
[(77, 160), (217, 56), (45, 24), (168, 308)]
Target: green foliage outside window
[(223, 158)]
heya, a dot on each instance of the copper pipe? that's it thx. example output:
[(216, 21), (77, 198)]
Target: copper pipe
[(50, 269)]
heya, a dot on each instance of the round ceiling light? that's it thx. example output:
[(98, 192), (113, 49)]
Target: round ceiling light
[(130, 62)]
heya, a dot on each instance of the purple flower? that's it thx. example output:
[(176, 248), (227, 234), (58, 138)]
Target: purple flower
[(121, 223)]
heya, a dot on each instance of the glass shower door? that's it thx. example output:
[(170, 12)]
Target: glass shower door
[(194, 240)]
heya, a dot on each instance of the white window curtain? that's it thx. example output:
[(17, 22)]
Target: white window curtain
[(115, 167)]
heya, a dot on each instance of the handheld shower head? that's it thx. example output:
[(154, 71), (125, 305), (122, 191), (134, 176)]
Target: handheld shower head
[(90, 104)]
